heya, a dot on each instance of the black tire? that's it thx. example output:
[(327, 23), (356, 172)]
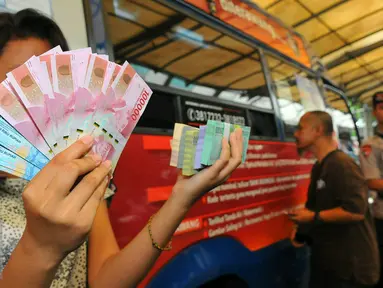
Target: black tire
[(226, 281)]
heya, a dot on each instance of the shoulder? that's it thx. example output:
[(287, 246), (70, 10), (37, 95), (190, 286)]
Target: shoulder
[(341, 160), (341, 168)]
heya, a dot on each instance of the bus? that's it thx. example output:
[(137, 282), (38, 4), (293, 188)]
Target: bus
[(226, 60)]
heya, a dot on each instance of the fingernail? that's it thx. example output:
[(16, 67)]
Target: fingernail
[(107, 164), (96, 158), (87, 140)]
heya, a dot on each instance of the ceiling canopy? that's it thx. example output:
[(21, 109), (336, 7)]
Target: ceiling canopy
[(347, 35)]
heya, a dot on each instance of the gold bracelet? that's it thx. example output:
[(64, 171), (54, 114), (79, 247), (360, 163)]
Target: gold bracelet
[(154, 243)]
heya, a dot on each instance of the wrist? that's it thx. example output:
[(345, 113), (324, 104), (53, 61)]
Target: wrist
[(317, 218), (45, 257), (179, 202)]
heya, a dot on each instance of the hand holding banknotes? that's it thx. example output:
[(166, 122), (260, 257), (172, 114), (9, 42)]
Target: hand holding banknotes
[(190, 189), (59, 214), (130, 266)]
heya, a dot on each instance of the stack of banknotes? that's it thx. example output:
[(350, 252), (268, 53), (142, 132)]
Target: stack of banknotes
[(54, 99), (196, 148)]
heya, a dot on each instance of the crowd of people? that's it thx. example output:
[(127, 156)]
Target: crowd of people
[(57, 235)]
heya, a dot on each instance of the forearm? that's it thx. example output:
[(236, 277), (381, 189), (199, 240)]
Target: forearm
[(29, 266), (129, 266), (339, 215), (376, 185)]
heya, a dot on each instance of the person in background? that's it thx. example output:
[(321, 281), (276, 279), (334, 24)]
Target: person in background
[(57, 235), (371, 161), (336, 221)]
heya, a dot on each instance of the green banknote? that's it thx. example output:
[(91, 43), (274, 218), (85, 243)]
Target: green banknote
[(181, 152), (191, 139), (215, 132)]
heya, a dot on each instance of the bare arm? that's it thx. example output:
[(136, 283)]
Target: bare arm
[(36, 265), (58, 217), (369, 162), (101, 235), (130, 266), (336, 215), (339, 215), (376, 184)]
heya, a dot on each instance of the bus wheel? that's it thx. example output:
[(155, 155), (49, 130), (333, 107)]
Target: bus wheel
[(226, 281)]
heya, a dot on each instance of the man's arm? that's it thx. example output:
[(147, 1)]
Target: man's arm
[(336, 215), (376, 184), (370, 167), (350, 191), (339, 215)]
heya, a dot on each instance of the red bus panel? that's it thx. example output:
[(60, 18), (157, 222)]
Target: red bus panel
[(249, 207)]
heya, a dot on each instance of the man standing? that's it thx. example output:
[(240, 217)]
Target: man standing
[(371, 160), (335, 222)]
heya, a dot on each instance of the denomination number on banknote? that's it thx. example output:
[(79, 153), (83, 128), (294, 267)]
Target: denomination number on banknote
[(140, 105)]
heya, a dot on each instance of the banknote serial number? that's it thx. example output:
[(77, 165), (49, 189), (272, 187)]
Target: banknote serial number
[(204, 116)]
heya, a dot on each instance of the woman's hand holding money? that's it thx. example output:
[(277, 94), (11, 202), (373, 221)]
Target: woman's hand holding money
[(59, 214), (130, 266), (189, 189), (59, 217)]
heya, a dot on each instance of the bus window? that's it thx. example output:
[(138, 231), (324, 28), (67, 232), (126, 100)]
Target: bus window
[(263, 124), (343, 122), (169, 49), (159, 113), (197, 112), (296, 92)]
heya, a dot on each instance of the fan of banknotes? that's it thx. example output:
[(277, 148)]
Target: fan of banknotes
[(196, 148), (52, 100)]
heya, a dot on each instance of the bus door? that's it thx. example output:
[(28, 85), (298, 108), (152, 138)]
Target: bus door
[(344, 121), (296, 91)]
